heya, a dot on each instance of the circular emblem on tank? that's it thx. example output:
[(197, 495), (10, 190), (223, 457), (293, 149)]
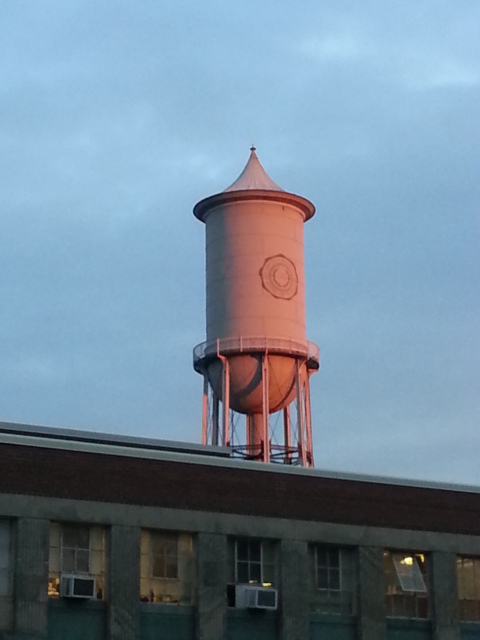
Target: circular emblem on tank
[(279, 277)]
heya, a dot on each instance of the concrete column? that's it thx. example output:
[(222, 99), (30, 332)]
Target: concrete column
[(371, 594), (444, 595), (31, 578), (211, 586), (123, 576), (295, 588)]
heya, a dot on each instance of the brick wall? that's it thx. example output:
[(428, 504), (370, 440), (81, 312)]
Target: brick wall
[(128, 480)]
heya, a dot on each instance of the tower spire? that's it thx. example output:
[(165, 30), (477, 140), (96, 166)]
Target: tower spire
[(253, 176)]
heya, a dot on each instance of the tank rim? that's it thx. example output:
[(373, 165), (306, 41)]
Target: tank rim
[(202, 207)]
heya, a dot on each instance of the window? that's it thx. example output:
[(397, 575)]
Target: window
[(334, 579), (76, 550), (254, 561), (166, 567), (406, 584), (468, 579), (328, 568), (251, 561), (5, 559)]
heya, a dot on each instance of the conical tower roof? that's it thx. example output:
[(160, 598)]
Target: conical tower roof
[(253, 184), (253, 176)]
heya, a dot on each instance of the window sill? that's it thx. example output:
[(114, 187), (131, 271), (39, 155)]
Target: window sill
[(63, 603), (333, 617), (170, 608), (414, 623)]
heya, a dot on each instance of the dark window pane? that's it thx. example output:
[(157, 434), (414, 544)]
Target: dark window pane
[(68, 560), (469, 610), (255, 572), (69, 536), (255, 550), (410, 607), (242, 571), (73, 536), (171, 546), (83, 538), (333, 558), (398, 606), (389, 605), (158, 567), (322, 557), (322, 578), (268, 573), (82, 561), (158, 544), (171, 569), (422, 607), (242, 550), (334, 579)]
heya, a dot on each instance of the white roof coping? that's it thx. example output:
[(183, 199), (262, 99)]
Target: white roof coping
[(253, 176), (146, 448)]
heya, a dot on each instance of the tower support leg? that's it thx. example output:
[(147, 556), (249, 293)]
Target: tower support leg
[(300, 414), (215, 418), (265, 409), (225, 401), (308, 420), (287, 435), (205, 410)]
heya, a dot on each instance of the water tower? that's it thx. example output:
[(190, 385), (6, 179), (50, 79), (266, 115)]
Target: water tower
[(256, 361)]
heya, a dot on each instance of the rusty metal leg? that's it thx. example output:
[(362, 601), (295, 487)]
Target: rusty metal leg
[(308, 420), (265, 409), (287, 435), (215, 418), (300, 414)]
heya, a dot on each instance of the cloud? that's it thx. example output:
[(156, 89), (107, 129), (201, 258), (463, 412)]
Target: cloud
[(330, 48)]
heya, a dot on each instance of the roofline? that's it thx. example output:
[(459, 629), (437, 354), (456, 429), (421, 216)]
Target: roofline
[(94, 437), (187, 453), (202, 207)]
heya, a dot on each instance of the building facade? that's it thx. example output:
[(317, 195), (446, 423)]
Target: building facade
[(135, 539)]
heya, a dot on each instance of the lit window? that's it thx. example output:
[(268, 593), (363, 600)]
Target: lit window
[(334, 579), (468, 578), (166, 567), (76, 550), (406, 584), (254, 561), (5, 559)]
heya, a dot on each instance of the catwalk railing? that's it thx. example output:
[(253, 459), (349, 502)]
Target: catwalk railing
[(239, 344)]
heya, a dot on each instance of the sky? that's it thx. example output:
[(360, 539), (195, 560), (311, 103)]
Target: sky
[(117, 117)]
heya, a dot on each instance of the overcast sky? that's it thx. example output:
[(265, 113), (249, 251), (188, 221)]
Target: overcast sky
[(116, 117)]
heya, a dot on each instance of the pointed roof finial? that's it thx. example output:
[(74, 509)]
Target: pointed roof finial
[(254, 176)]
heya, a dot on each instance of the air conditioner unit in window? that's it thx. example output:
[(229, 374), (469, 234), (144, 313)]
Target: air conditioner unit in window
[(75, 586), (252, 597)]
